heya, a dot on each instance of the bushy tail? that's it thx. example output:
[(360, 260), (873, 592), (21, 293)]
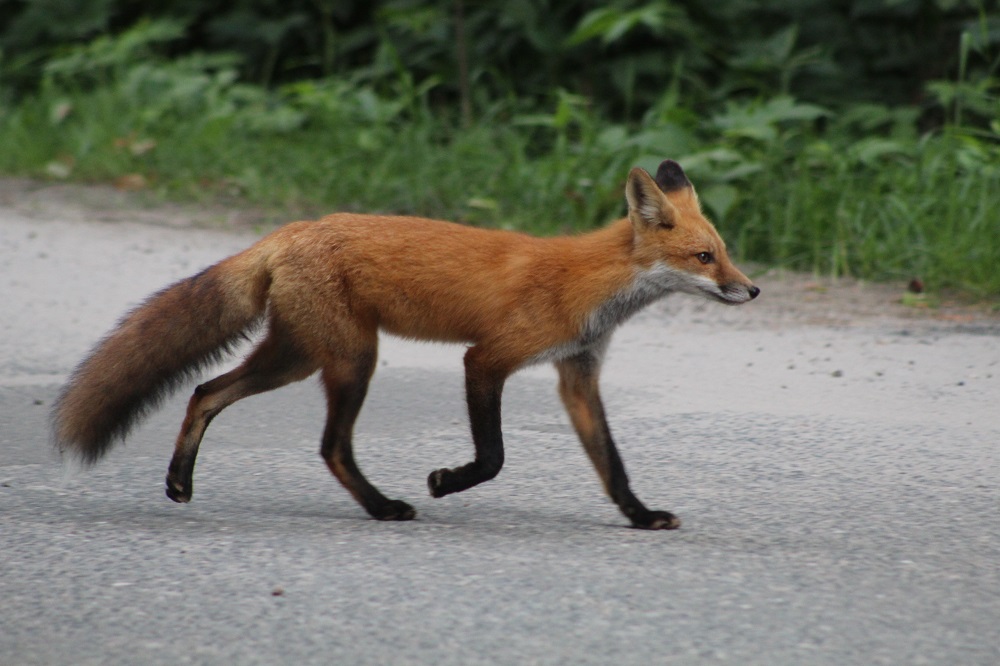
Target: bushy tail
[(155, 348)]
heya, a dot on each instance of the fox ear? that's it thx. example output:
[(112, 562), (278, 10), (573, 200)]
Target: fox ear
[(671, 177), (647, 207)]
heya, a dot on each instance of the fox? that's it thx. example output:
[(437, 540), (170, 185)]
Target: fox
[(323, 290)]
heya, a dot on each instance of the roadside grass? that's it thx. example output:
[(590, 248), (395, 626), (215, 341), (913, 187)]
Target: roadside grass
[(789, 184), (930, 213)]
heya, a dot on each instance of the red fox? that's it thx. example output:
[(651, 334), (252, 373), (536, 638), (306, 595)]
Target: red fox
[(326, 288)]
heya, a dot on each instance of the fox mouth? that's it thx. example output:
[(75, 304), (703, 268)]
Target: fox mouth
[(735, 294)]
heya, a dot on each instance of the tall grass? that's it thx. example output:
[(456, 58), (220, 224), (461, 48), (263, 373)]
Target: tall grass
[(856, 191), (927, 213)]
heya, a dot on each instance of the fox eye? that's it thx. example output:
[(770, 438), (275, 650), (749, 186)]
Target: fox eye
[(705, 257)]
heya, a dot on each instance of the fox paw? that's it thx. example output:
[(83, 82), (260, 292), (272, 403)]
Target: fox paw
[(437, 482), (394, 510), (179, 491), (656, 520)]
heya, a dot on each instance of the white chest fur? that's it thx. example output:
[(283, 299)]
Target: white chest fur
[(647, 286)]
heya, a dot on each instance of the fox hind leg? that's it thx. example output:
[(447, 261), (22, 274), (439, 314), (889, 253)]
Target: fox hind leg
[(346, 379), (275, 362)]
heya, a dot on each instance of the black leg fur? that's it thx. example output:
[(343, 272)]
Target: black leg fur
[(483, 391), (346, 390), (579, 392)]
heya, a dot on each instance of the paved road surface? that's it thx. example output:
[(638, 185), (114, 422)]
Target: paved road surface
[(839, 488)]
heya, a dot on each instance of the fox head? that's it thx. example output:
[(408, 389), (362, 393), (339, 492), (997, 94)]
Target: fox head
[(676, 247)]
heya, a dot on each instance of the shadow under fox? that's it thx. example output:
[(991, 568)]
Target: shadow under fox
[(324, 290)]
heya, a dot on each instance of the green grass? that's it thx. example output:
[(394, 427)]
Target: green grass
[(885, 204), (919, 215)]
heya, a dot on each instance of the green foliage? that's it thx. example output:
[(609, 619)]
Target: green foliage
[(612, 23), (857, 137), (615, 54), (107, 57)]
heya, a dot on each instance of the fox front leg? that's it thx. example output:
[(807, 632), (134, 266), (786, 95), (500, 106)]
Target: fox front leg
[(579, 392)]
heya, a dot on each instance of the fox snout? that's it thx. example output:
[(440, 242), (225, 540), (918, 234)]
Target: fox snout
[(736, 293), (732, 293)]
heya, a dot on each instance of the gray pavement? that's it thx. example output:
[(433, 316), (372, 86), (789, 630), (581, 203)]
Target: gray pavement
[(839, 487)]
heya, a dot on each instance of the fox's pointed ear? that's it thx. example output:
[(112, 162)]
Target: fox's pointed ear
[(671, 177), (647, 207)]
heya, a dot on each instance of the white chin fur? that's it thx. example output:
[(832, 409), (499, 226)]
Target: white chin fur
[(669, 279), (734, 294)]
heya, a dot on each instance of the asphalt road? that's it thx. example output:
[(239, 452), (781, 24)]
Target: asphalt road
[(839, 488)]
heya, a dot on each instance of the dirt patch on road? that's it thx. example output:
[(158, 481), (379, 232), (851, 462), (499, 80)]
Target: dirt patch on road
[(823, 301), (104, 203)]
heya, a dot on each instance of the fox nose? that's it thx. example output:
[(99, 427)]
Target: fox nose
[(754, 292)]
